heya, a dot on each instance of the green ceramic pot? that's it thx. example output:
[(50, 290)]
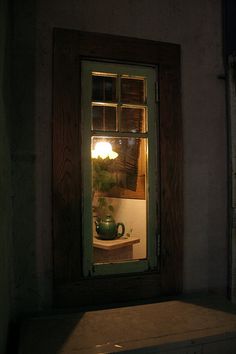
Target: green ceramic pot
[(107, 229)]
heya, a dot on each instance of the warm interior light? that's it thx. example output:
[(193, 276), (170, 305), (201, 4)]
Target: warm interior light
[(103, 149)]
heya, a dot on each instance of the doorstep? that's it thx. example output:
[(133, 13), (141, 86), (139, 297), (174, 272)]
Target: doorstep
[(202, 325)]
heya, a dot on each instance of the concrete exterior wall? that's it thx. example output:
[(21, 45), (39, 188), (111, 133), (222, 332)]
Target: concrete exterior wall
[(26, 295), (5, 184), (196, 26)]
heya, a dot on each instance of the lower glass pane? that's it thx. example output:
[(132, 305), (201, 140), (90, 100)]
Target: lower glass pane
[(119, 203)]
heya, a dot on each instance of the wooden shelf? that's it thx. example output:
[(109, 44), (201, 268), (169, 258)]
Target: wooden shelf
[(109, 245)]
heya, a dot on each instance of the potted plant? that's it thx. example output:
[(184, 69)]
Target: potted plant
[(103, 181)]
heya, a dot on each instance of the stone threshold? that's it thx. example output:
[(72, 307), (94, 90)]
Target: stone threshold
[(200, 325)]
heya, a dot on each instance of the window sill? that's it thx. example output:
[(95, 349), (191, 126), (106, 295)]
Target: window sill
[(199, 325)]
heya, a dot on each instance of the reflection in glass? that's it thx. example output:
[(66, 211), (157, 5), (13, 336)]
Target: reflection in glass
[(104, 118), (118, 199), (132, 91), (103, 88), (133, 120)]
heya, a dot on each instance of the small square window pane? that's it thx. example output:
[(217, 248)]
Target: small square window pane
[(103, 88), (104, 118), (97, 118), (132, 91), (133, 120)]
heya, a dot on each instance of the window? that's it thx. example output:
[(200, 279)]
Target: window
[(119, 181), (104, 92)]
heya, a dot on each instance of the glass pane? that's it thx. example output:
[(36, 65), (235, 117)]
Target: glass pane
[(104, 118), (119, 201), (132, 91), (133, 120), (103, 88)]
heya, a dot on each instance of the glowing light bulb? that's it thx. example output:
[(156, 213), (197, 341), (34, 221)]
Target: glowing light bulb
[(103, 150)]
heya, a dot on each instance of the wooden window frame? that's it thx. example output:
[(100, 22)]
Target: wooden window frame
[(150, 135), (70, 287)]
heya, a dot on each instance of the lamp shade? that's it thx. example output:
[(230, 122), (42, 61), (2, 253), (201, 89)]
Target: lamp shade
[(103, 150)]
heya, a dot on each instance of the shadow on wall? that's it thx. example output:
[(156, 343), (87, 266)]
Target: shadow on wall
[(49, 336), (214, 302), (5, 177), (22, 128)]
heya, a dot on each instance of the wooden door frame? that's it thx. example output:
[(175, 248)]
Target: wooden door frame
[(70, 288)]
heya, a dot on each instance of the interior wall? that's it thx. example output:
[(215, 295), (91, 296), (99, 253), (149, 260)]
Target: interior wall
[(132, 212), (5, 184), (196, 26)]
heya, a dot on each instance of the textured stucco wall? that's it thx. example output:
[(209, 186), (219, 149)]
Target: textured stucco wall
[(196, 26), (27, 278), (5, 183)]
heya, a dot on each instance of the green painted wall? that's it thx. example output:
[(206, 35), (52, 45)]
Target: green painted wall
[(5, 185)]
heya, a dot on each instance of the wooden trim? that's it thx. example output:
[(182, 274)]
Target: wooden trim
[(108, 290), (70, 47), (117, 48), (66, 161), (171, 162)]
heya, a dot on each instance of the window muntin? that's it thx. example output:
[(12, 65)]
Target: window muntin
[(118, 107)]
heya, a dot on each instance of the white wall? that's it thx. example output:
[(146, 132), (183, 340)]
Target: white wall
[(132, 212), (196, 26)]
